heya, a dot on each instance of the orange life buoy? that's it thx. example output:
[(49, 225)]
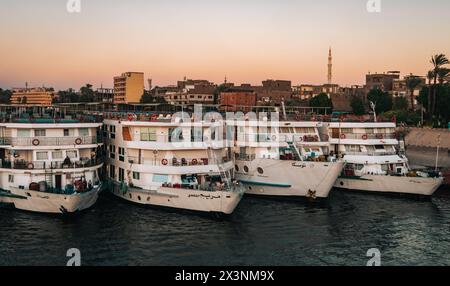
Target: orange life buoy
[(130, 117), (30, 166), (365, 137), (78, 141), (36, 142), (343, 136), (164, 162), (153, 117), (194, 162)]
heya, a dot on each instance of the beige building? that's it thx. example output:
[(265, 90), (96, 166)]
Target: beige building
[(32, 96), (129, 87)]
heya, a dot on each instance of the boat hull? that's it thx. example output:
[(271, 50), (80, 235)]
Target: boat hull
[(41, 202), (391, 184), (219, 202), (288, 178)]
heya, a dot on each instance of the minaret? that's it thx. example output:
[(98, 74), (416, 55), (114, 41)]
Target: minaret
[(330, 67)]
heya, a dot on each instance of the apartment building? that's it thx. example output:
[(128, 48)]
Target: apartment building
[(128, 87)]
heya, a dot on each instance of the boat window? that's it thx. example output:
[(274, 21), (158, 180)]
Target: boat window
[(148, 134), (379, 147), (112, 172), (121, 174), (11, 179), (260, 170), (236, 167), (83, 131), (246, 169), (39, 133), (359, 167), (23, 132), (57, 155), (160, 178), (72, 154), (42, 155), (69, 132), (136, 176)]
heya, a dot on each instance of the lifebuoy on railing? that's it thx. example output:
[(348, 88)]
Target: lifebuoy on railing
[(153, 117), (365, 137), (130, 117), (343, 136), (194, 162), (78, 141), (164, 162), (36, 142), (379, 136), (30, 166)]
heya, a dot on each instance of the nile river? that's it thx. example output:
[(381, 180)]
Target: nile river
[(261, 232)]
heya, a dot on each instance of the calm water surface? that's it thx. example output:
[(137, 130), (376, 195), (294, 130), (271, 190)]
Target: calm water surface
[(261, 232)]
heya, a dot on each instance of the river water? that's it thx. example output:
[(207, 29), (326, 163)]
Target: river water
[(260, 232)]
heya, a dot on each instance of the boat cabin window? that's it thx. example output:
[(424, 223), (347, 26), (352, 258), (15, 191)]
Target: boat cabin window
[(23, 132), (57, 155), (69, 132), (353, 148), (379, 147), (43, 155), (160, 178), (121, 174), (39, 132), (72, 154), (136, 176), (112, 172), (148, 134), (83, 131)]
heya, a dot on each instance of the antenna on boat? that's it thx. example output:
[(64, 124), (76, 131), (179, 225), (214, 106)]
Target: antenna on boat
[(284, 109), (373, 105), (437, 151)]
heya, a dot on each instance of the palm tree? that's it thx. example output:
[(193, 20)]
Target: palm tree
[(412, 83), (437, 61), (443, 75)]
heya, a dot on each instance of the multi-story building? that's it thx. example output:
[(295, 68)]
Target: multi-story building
[(274, 91), (384, 81), (190, 92), (128, 88), (33, 96), (237, 100), (104, 95)]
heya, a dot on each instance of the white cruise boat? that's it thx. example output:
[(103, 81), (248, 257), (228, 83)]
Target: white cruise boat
[(156, 162), (286, 160), (48, 165), (372, 162)]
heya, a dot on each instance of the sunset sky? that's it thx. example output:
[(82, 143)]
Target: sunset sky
[(247, 40)]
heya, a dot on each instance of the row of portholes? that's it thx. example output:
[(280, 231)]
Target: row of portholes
[(246, 170), (138, 197)]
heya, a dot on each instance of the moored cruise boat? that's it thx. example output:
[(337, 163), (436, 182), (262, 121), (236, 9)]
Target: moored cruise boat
[(49, 165), (158, 162), (284, 160), (373, 162)]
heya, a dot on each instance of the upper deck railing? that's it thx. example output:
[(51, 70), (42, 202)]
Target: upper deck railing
[(50, 141)]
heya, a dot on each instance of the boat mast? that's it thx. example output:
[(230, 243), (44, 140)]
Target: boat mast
[(437, 151)]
